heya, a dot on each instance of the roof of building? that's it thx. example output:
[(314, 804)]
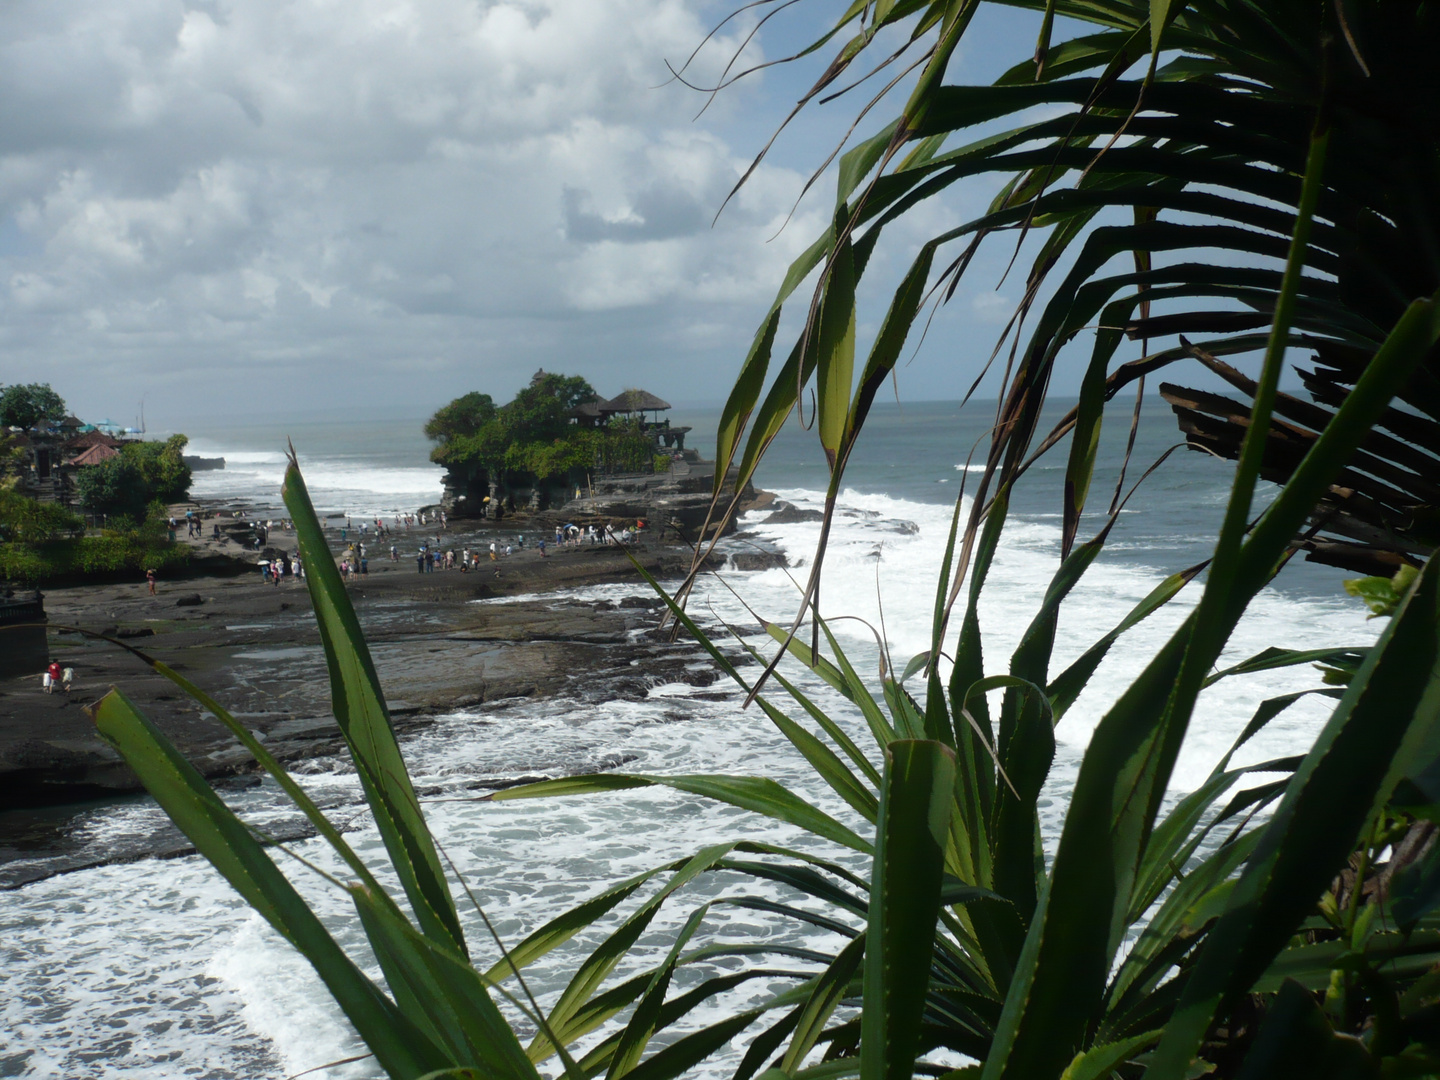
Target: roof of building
[(94, 455), (70, 422), (633, 401), (91, 438), (586, 408)]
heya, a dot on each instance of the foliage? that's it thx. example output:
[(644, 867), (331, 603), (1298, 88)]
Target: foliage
[(24, 405), (462, 417), (43, 543), (530, 439), (12, 459), (1382, 594), (144, 472), (28, 521), (113, 555)]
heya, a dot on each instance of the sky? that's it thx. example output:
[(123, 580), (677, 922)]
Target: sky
[(229, 209)]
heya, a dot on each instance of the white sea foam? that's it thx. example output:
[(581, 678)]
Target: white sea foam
[(358, 486), (157, 968)]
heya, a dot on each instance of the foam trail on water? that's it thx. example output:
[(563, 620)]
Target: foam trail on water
[(872, 541), (349, 484)]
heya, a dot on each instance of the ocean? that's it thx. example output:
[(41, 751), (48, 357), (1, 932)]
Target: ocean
[(155, 968)]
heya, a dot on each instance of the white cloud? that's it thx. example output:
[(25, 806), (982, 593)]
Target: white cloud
[(192, 187)]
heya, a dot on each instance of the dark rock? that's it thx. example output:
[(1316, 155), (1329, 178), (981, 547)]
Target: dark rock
[(193, 600), (642, 602), (236, 783), (788, 514), (758, 560), (135, 631)]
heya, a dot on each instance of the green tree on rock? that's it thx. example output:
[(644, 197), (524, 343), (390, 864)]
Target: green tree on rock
[(527, 441)]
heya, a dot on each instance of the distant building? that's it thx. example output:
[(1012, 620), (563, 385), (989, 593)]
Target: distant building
[(633, 403), (52, 454)]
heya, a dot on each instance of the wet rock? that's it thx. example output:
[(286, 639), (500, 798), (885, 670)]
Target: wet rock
[(193, 600), (788, 514), (758, 560), (135, 631)]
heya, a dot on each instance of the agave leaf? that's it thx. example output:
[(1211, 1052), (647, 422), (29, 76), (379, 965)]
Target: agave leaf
[(1389, 714), (1273, 658), (1295, 1038), (837, 982), (567, 924), (826, 763), (644, 1020), (762, 795), (359, 708), (1070, 682), (451, 996), (271, 765), (1399, 955), (399, 1046), (835, 370), (598, 965), (1100, 1062), (915, 807)]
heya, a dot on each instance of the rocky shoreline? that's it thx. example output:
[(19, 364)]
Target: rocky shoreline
[(255, 648)]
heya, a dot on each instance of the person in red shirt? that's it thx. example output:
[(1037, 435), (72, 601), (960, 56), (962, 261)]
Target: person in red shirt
[(52, 676)]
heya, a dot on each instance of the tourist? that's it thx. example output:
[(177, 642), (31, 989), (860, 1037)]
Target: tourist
[(493, 556), (541, 544), (150, 580), (394, 554), (420, 561), (67, 677), (52, 676)]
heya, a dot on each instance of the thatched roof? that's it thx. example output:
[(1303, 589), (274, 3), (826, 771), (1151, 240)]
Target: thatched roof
[(586, 409), (94, 455), (631, 401)]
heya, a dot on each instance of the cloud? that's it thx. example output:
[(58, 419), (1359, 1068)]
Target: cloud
[(344, 194)]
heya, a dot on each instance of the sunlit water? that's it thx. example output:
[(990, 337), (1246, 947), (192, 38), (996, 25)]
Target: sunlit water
[(155, 968)]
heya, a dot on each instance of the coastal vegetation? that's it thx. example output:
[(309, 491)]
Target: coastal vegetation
[(127, 494), (1242, 179), (143, 473), (529, 443), (47, 544)]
